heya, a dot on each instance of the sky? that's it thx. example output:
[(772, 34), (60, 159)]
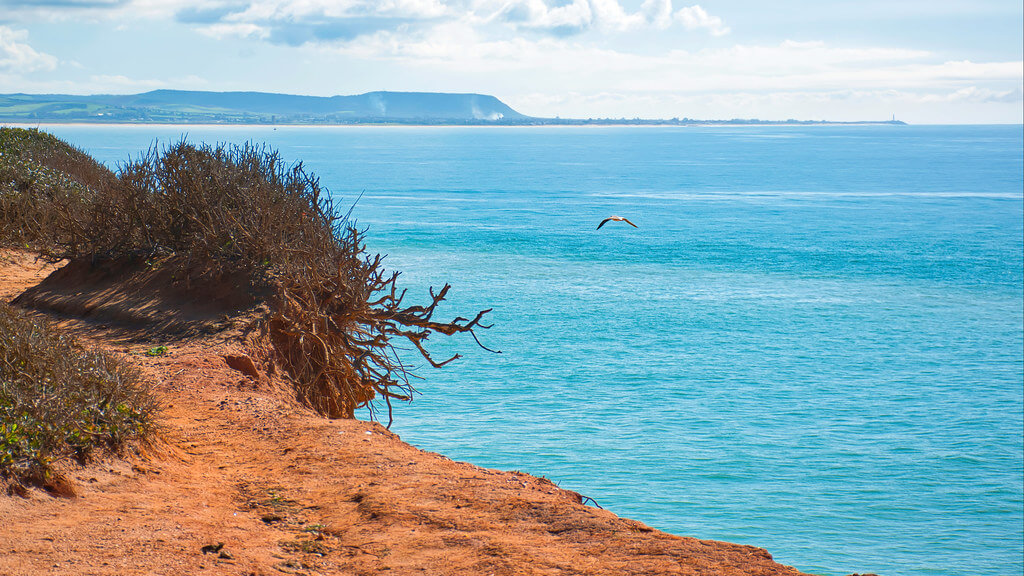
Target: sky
[(921, 61)]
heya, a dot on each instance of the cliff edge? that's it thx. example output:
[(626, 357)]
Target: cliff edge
[(243, 480)]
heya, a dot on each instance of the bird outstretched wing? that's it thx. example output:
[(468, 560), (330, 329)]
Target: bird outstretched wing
[(617, 219)]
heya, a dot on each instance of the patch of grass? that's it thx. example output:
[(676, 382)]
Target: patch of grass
[(157, 351), (313, 547), (60, 401)]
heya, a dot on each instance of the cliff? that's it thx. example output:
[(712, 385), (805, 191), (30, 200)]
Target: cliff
[(244, 480)]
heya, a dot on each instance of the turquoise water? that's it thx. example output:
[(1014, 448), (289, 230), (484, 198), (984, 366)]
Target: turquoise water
[(814, 342)]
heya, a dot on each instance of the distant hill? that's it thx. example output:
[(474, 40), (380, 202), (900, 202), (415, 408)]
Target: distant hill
[(259, 107), (432, 108)]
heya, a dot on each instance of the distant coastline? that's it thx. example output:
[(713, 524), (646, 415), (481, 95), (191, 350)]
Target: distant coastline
[(609, 123), (191, 108), (627, 124)]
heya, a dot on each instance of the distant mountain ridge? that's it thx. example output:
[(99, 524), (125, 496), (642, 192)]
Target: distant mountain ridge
[(426, 108), (258, 107)]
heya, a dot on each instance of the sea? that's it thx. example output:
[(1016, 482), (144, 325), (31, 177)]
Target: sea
[(811, 342)]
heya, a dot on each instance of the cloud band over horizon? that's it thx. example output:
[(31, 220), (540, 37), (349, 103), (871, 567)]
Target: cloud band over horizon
[(582, 58)]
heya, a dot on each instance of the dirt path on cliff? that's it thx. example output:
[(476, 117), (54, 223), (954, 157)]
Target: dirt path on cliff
[(242, 481)]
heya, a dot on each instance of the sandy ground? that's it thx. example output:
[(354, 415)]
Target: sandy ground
[(244, 482)]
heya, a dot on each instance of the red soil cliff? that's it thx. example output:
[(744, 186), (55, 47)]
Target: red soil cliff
[(243, 481)]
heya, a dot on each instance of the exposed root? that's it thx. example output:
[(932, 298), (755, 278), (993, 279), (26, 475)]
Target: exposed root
[(336, 343)]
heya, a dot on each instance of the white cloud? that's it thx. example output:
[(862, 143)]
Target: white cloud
[(301, 22), (805, 80), (967, 70), (569, 57), (406, 8), (694, 17), (610, 15), (536, 14), (17, 56), (574, 64), (231, 10), (238, 30), (259, 10), (95, 10), (298, 22), (605, 15), (461, 47), (978, 95)]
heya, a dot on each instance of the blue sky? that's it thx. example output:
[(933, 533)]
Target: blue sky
[(924, 61)]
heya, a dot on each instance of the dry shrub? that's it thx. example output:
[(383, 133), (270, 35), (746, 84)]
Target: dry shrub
[(53, 153), (236, 208), (240, 211), (59, 400), (42, 181)]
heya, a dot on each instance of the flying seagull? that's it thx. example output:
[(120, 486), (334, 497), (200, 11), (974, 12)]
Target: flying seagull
[(617, 219)]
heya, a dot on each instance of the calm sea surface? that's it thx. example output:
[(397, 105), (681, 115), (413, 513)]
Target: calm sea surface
[(813, 342)]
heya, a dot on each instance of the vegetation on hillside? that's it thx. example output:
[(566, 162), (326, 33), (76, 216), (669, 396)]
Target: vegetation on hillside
[(41, 178), (241, 212), (60, 401)]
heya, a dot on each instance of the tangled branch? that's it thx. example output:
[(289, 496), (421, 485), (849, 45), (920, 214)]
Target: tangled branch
[(337, 340)]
